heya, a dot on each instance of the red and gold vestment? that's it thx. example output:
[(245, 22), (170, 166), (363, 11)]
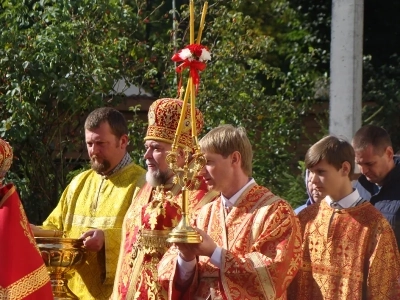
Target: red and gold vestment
[(136, 276), (347, 254), (23, 274), (261, 245)]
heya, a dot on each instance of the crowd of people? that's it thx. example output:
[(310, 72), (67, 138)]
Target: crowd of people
[(343, 243)]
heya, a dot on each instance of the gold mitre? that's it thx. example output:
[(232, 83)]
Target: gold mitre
[(163, 117)]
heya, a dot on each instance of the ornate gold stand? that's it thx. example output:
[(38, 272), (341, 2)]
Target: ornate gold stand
[(155, 240), (61, 256), (183, 232)]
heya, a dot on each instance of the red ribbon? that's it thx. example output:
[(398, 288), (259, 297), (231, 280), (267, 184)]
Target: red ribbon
[(194, 66)]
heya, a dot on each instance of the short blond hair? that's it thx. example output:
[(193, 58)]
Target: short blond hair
[(226, 139)]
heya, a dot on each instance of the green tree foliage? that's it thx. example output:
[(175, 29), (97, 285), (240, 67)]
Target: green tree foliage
[(59, 59)]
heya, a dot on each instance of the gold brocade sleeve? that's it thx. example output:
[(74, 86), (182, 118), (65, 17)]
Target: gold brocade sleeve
[(166, 274), (273, 259), (56, 217), (384, 270)]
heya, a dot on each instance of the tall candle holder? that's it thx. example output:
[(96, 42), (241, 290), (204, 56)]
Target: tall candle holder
[(192, 57)]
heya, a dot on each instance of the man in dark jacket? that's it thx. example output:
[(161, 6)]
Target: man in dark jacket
[(380, 179)]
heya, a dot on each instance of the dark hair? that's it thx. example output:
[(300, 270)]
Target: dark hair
[(372, 135), (226, 139), (115, 119), (334, 150)]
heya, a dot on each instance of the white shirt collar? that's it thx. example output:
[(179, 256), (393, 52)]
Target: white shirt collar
[(348, 201), (232, 200)]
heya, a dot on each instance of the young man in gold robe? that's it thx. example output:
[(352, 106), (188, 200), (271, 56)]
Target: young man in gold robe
[(251, 238), (137, 276), (93, 205), (349, 248)]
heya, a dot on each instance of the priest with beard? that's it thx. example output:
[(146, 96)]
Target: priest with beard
[(93, 205), (150, 215)]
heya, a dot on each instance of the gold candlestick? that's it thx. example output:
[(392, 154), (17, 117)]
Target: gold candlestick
[(183, 232), (186, 176)]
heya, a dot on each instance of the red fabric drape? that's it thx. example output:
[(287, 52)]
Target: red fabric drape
[(23, 274)]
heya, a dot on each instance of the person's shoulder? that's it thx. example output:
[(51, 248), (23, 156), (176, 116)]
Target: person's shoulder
[(263, 191), (79, 180), (83, 175), (206, 196), (134, 168), (213, 202), (269, 199), (370, 214), (309, 212), (299, 209), (267, 194), (370, 217), (132, 173)]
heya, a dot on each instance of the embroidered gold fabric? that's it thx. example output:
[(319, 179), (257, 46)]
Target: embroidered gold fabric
[(164, 115), (74, 214), (347, 254), (24, 224), (26, 285), (260, 251), (141, 250)]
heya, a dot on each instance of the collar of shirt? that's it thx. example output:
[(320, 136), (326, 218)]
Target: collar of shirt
[(348, 201), (126, 160), (232, 200)]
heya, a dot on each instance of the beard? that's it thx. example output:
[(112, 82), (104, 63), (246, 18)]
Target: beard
[(99, 167), (156, 178)]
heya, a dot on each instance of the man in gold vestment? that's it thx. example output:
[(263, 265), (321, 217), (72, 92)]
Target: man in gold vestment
[(93, 205), (349, 248), (136, 276), (251, 238)]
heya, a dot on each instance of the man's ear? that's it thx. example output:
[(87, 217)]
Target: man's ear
[(346, 167), (124, 141), (389, 152), (236, 158)]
